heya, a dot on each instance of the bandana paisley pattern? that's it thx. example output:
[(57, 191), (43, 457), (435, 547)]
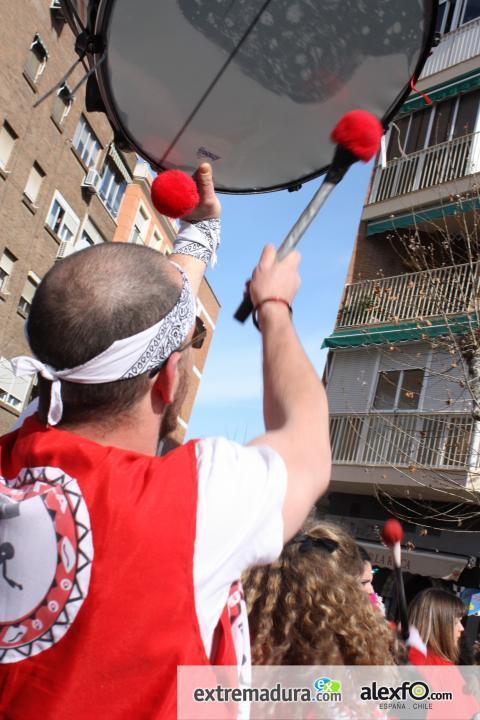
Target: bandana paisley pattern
[(172, 332), (199, 240)]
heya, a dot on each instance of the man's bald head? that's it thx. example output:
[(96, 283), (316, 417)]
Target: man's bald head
[(85, 303)]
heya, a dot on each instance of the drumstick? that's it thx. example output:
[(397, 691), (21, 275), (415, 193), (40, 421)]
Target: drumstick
[(358, 135), (392, 535)]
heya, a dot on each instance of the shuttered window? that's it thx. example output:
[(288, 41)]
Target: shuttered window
[(7, 141), (140, 227), (34, 182), (13, 390), (28, 292), (7, 262), (61, 106), (36, 59), (156, 242)]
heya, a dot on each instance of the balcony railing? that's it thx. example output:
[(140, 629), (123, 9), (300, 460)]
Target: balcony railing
[(435, 165), (412, 296), (415, 441), (455, 47)]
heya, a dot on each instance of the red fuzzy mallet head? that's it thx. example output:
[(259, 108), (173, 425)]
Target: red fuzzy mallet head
[(392, 532), (360, 132), (174, 193)]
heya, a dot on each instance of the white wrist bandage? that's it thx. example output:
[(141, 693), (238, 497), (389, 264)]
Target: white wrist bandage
[(199, 239)]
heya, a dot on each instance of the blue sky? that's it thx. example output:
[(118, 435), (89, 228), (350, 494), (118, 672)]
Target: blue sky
[(229, 401)]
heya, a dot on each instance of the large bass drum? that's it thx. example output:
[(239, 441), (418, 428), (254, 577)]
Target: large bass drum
[(253, 86)]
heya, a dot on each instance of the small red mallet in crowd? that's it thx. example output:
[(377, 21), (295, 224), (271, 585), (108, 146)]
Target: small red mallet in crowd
[(358, 135), (392, 536), (174, 193)]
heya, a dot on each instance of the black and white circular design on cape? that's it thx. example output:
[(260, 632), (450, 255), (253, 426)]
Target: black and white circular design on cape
[(46, 554)]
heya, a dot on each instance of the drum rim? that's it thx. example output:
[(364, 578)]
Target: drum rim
[(114, 118)]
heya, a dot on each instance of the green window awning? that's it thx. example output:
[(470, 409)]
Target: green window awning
[(400, 332), (395, 222), (460, 84)]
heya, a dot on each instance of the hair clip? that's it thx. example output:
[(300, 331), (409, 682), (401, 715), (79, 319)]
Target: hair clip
[(307, 542)]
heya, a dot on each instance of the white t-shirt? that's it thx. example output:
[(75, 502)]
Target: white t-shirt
[(241, 491)]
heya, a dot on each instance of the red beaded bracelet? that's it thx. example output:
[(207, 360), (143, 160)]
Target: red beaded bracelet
[(262, 302)]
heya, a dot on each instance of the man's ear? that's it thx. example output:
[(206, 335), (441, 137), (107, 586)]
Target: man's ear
[(166, 382)]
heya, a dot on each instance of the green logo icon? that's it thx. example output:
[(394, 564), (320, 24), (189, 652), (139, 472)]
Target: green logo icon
[(327, 685), (418, 690)]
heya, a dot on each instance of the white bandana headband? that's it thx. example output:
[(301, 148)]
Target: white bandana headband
[(124, 359)]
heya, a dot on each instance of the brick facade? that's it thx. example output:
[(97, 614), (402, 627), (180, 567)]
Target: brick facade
[(41, 139)]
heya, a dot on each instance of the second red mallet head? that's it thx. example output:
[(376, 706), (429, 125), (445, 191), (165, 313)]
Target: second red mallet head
[(392, 532), (392, 535), (174, 193), (360, 133)]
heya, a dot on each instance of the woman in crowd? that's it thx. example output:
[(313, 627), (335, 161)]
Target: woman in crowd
[(308, 607), (366, 580), (437, 615)]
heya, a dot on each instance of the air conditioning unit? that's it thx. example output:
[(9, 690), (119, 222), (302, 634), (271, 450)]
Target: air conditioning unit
[(63, 249), (91, 181)]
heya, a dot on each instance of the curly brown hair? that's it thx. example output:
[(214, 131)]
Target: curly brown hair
[(308, 608)]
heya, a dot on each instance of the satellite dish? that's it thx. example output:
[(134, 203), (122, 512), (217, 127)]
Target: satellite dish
[(255, 87)]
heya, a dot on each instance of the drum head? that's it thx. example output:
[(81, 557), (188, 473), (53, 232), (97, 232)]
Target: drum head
[(182, 87)]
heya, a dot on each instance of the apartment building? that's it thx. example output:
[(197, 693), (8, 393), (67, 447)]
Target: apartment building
[(404, 432), (64, 185)]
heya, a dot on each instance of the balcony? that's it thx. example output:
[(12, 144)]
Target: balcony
[(423, 169), (416, 441), (454, 48), (412, 296)]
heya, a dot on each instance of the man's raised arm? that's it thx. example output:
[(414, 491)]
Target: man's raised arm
[(295, 404), (199, 232)]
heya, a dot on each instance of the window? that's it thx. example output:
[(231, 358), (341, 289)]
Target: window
[(140, 227), (7, 261), (61, 106), (471, 10), (445, 16), (112, 187), (36, 61), (440, 26), (28, 292), (441, 122), (156, 242), (89, 236), (398, 389), (61, 219), (466, 114), (7, 141), (13, 390), (446, 120), (85, 143), (34, 182), (452, 14)]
